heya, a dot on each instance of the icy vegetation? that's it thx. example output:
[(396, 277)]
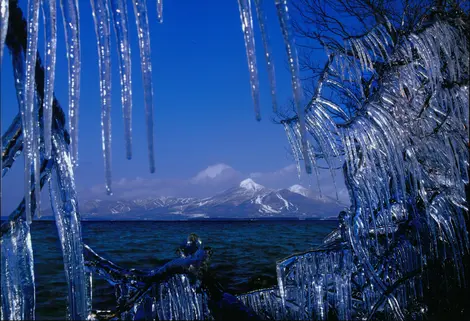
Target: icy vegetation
[(404, 154)]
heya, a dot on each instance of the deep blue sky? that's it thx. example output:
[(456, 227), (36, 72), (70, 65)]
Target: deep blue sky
[(203, 107)]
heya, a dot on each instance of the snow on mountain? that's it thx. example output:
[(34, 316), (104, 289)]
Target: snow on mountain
[(251, 185)]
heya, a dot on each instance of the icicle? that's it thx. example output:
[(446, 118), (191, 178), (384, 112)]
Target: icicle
[(17, 273), (65, 207), (102, 28), (282, 12), (37, 156), (4, 14), (140, 11), (71, 20), (30, 138), (89, 289), (49, 14), (119, 11), (249, 36), (267, 51), (160, 11), (293, 145)]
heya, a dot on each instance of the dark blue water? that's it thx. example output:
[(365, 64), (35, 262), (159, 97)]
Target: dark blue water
[(244, 253)]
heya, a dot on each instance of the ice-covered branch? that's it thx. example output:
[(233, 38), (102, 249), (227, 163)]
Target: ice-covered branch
[(137, 283)]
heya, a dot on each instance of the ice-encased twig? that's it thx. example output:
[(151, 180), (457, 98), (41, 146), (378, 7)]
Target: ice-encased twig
[(143, 33), (49, 8), (405, 140), (120, 22), (12, 145), (65, 207), (71, 22), (101, 19), (249, 37), (135, 286), (18, 73), (267, 51)]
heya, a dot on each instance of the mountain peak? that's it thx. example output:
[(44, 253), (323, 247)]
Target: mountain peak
[(251, 185), (299, 189)]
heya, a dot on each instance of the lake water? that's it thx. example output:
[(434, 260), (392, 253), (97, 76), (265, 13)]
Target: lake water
[(244, 253)]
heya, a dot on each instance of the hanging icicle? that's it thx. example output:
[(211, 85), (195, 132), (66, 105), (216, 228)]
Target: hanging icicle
[(101, 18), (143, 33), (267, 51), (50, 25), (29, 113), (249, 36), (4, 14), (120, 18), (282, 12), (71, 21), (160, 11)]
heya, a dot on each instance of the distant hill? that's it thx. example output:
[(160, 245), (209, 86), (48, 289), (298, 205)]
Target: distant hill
[(247, 200)]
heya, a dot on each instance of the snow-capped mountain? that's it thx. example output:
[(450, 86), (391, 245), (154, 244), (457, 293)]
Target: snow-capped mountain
[(247, 200)]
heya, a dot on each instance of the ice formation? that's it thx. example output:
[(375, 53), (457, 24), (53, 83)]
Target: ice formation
[(404, 154), (249, 35), (49, 8), (141, 19), (71, 22), (119, 13), (102, 19)]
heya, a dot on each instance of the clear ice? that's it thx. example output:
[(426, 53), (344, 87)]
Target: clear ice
[(4, 14), (29, 112), (246, 19), (403, 151), (65, 207), (49, 8), (120, 19), (102, 18), (143, 34), (267, 51), (282, 12), (160, 10), (71, 22)]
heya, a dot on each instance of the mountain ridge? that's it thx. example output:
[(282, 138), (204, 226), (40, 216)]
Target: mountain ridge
[(247, 200)]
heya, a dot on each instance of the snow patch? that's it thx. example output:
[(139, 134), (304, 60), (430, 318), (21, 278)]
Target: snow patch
[(286, 203), (251, 185)]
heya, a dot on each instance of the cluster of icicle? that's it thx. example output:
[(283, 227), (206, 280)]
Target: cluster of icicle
[(105, 14), (246, 18), (50, 151), (405, 154)]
